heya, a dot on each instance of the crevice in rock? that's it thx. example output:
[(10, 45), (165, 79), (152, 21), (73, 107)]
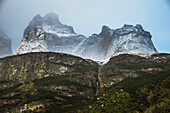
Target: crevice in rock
[(98, 82)]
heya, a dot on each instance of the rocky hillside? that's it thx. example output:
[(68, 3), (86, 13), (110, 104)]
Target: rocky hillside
[(56, 82), (49, 34), (46, 82), (132, 84), (5, 44)]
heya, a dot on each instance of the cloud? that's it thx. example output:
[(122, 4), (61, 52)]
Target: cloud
[(88, 16)]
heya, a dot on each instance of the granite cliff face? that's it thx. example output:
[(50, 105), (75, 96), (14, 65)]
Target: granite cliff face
[(126, 40), (5, 44), (49, 34)]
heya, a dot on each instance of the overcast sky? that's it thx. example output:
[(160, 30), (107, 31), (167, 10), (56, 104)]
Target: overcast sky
[(88, 16)]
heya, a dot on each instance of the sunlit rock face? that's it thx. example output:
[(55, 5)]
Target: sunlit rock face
[(5, 44), (49, 34)]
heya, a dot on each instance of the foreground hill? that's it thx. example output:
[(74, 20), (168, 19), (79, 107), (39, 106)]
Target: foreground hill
[(55, 82), (147, 90), (46, 82)]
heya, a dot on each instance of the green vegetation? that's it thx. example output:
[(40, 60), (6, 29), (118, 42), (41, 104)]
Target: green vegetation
[(26, 87), (144, 65), (149, 90)]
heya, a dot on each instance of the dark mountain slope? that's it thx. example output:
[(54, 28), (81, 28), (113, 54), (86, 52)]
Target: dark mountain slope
[(46, 82), (147, 91), (55, 82)]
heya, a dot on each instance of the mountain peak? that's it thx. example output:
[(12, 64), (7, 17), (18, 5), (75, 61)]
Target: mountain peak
[(127, 25), (128, 29), (105, 28), (49, 34), (37, 17), (51, 15), (106, 31), (139, 26), (51, 19)]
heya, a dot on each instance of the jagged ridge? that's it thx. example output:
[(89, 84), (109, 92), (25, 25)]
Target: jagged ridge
[(49, 34)]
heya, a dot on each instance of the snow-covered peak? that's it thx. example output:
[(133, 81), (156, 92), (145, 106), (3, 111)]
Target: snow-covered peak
[(60, 31), (33, 41), (49, 34), (128, 29), (50, 24), (126, 40), (106, 31), (51, 19), (51, 16)]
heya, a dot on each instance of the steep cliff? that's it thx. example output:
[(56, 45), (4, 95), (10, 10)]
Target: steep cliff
[(48, 34), (126, 40)]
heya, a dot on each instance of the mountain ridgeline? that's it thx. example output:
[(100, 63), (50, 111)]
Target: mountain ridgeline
[(47, 33)]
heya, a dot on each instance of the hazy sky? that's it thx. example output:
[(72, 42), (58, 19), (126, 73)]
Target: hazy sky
[(88, 16)]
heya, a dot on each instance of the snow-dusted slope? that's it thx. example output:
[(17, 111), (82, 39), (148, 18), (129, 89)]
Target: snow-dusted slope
[(49, 34), (5, 44), (34, 41), (128, 39)]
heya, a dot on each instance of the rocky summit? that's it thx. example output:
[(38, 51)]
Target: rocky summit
[(49, 34), (5, 44), (126, 40)]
